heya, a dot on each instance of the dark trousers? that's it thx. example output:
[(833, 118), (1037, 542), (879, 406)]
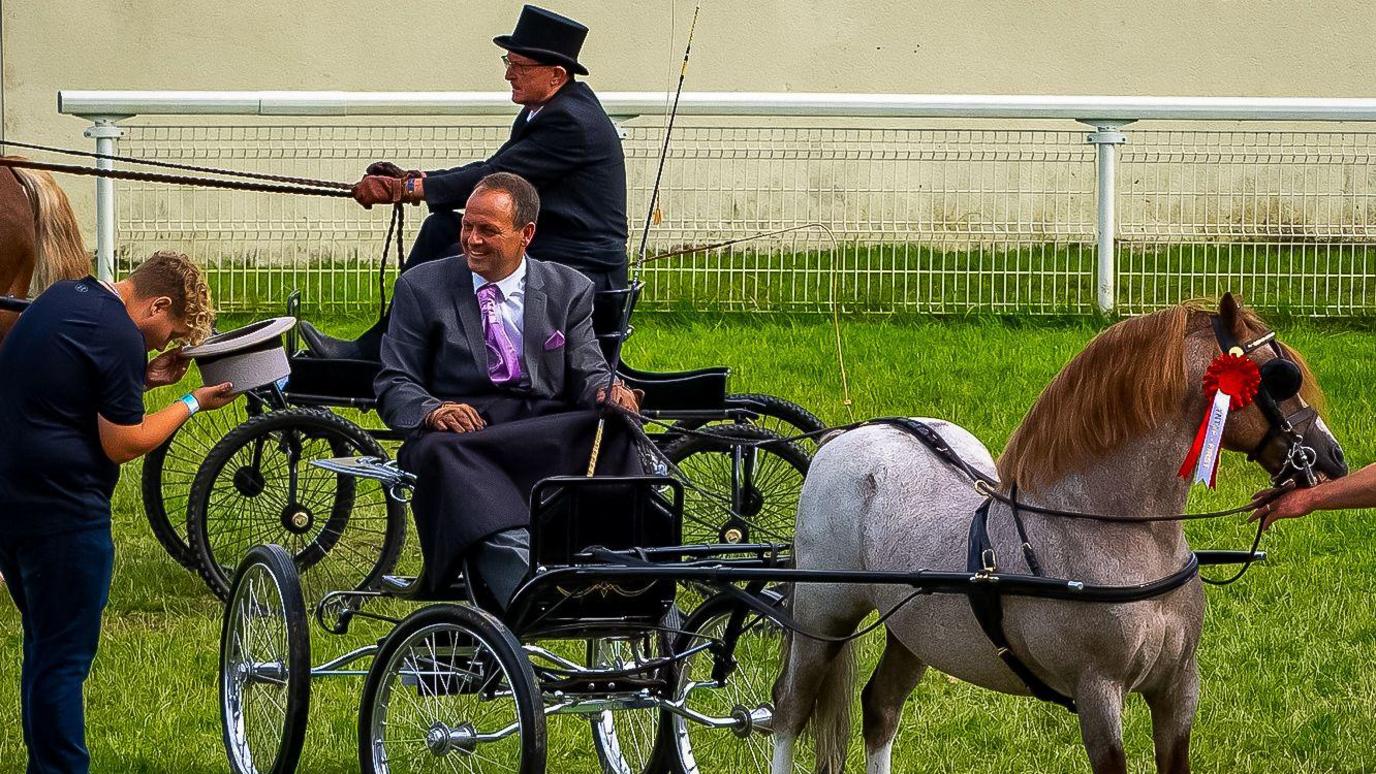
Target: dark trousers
[(501, 562), (60, 584), (439, 238)]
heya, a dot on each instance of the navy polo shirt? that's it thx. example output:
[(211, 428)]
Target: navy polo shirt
[(74, 354)]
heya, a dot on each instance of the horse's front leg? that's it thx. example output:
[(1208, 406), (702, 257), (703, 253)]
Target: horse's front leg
[(1172, 716), (1100, 703)]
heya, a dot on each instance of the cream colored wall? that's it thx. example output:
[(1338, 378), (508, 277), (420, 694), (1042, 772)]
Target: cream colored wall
[(1177, 47)]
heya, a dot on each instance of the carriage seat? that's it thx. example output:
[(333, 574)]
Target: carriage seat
[(323, 345), (332, 381), (331, 368)]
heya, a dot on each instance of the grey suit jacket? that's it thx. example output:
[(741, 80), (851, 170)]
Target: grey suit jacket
[(433, 350)]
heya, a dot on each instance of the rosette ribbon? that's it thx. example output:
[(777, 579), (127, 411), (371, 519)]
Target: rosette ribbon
[(1231, 383)]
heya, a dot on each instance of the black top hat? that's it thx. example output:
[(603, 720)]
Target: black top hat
[(546, 37)]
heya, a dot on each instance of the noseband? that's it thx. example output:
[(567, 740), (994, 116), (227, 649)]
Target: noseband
[(1281, 379)]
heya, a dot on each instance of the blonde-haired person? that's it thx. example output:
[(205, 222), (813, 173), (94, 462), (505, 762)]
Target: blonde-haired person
[(73, 371)]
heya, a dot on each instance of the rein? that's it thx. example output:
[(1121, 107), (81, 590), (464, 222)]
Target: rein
[(156, 177), (293, 185), (305, 181), (980, 482)]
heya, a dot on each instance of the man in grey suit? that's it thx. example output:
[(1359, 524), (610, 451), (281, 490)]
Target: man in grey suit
[(491, 368)]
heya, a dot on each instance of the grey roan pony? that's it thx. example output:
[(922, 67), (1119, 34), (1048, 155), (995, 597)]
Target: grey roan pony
[(1106, 436)]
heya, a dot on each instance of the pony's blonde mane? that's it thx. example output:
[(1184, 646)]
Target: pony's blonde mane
[(1128, 380), (59, 252)]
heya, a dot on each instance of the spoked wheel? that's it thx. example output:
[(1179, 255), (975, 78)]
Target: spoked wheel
[(451, 690), (265, 665), (742, 484), (257, 486), (731, 683), (627, 740), (169, 470), (784, 417)]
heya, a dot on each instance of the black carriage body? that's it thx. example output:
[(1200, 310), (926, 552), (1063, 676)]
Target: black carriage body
[(571, 515)]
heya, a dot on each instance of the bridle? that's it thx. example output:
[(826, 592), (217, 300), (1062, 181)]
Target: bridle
[(1281, 380)]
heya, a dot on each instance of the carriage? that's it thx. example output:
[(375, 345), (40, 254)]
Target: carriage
[(460, 685), (595, 631), (229, 480)]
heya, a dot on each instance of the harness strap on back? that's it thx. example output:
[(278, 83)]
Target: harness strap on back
[(985, 600), (987, 604)]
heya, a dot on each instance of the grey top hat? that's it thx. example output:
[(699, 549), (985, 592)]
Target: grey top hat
[(248, 357)]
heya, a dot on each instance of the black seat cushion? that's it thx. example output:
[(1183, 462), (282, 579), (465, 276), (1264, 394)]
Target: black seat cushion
[(346, 379)]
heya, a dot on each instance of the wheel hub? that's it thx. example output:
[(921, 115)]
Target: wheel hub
[(263, 672), (759, 720), (249, 481), (442, 739), (297, 518)]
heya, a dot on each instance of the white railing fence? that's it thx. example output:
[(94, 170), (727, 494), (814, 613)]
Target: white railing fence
[(975, 218)]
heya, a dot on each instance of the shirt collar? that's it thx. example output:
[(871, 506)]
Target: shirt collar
[(513, 284)]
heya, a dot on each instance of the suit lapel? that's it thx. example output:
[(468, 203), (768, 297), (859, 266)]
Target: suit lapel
[(533, 326), (466, 305)]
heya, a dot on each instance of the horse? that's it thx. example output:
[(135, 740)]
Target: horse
[(40, 242), (1106, 436)]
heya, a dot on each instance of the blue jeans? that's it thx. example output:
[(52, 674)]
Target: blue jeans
[(60, 584)]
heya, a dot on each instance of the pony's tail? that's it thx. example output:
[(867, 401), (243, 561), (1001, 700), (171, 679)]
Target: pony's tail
[(59, 252), (831, 715)]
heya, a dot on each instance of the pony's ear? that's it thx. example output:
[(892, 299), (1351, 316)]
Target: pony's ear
[(1230, 313)]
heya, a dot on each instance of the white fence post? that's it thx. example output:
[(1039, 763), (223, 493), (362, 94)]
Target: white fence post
[(106, 133), (1106, 138)]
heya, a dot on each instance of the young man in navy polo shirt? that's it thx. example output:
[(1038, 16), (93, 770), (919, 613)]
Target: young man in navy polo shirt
[(72, 375)]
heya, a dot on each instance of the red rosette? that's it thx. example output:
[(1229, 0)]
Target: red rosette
[(1235, 376)]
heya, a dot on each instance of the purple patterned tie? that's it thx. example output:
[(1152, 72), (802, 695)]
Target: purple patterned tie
[(503, 362)]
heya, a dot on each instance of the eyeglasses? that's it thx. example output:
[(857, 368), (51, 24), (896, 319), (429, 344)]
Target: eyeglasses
[(506, 62)]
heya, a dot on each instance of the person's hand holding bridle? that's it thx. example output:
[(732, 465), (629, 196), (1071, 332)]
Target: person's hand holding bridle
[(1283, 503)]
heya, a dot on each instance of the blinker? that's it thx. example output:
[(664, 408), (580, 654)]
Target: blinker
[(1280, 378)]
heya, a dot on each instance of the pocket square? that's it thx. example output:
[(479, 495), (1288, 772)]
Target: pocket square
[(555, 341)]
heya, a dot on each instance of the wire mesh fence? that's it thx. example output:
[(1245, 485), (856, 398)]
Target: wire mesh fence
[(876, 219)]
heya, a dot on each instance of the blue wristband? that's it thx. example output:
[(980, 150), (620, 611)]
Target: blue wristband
[(192, 405)]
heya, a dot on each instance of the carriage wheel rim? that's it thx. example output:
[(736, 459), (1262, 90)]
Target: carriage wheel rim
[(254, 670), (341, 533), (463, 749)]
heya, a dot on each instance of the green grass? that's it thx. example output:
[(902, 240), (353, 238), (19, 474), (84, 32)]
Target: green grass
[(1288, 684)]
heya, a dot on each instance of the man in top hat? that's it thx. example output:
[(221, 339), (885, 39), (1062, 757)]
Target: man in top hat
[(491, 369), (562, 142)]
